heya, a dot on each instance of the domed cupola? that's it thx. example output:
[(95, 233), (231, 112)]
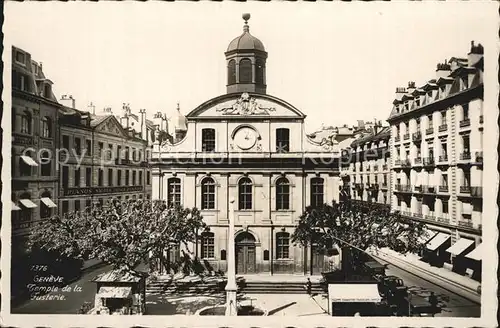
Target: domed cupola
[(246, 63)]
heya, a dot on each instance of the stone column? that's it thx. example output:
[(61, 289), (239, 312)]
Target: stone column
[(231, 287)]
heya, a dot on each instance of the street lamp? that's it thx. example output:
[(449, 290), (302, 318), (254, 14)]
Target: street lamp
[(231, 287)]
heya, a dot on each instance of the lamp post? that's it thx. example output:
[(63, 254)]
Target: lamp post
[(231, 287)]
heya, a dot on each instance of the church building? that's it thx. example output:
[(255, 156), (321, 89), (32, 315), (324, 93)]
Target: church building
[(252, 147)]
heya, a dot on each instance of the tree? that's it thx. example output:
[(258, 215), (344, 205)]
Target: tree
[(123, 234), (358, 226)]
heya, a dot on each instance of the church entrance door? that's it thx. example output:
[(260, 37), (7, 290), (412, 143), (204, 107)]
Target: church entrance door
[(245, 253)]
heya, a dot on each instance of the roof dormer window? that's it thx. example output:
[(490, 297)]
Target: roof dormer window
[(465, 82), (20, 58)]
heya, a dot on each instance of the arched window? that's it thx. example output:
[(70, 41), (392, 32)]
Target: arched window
[(245, 194), (46, 127), (317, 192), (245, 71), (174, 191), (207, 245), (282, 194), (46, 164), (45, 210), (27, 207), (282, 245), (231, 72), (26, 123), (208, 194), (259, 71), (282, 140), (208, 140)]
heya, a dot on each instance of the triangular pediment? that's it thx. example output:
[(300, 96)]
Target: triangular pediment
[(245, 105), (111, 126)]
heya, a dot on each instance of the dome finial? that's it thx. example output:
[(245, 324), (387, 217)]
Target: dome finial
[(246, 17)]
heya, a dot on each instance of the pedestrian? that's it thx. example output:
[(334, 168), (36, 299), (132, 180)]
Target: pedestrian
[(433, 300), (309, 287)]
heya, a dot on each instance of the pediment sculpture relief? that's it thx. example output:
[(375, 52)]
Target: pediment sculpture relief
[(325, 139), (246, 105)]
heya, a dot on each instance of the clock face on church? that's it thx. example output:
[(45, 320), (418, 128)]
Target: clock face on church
[(245, 138)]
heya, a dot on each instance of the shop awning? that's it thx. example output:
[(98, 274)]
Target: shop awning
[(114, 292), (47, 201), (15, 207), (28, 160), (460, 246), (27, 203), (476, 253), (437, 241), (347, 293), (426, 236)]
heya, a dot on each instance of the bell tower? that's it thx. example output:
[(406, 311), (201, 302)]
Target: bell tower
[(246, 63)]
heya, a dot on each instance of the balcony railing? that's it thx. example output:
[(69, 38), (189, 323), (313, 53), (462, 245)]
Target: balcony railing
[(375, 167), (397, 162), (464, 123), (406, 163), (443, 158), (476, 191), (443, 220), (465, 189), (465, 223), (428, 189), (481, 119), (429, 131), (384, 167), (383, 185), (397, 138), (443, 188), (429, 161), (418, 188), (403, 188), (406, 136), (417, 136), (465, 155), (418, 160), (443, 127)]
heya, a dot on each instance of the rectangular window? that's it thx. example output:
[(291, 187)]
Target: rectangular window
[(444, 149), (100, 178), (282, 245), (127, 177), (77, 205), (140, 178), (445, 207), (282, 140), (134, 178), (88, 177), (118, 151), (101, 148), (174, 191), (65, 177), (148, 177), (418, 124), (119, 178), (207, 245), (443, 117), (65, 206), (78, 146), (465, 111), (77, 177), (110, 152), (208, 194), (65, 142), (466, 178), (317, 192), (88, 146), (444, 179), (466, 143), (110, 177), (20, 58), (429, 121), (208, 140)]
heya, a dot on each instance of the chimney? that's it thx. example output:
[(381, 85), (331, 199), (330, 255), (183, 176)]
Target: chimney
[(411, 87), (475, 54), (67, 98), (443, 70), (144, 130), (361, 124)]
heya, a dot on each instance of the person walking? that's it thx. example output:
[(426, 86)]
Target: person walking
[(308, 287), (433, 300)]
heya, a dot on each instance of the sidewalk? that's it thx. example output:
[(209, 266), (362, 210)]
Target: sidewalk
[(466, 286), (279, 278)]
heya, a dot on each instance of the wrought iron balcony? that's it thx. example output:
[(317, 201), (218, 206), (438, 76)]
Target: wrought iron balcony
[(406, 136), (465, 155), (465, 223), (430, 217), (417, 136), (465, 123), (443, 220), (397, 138), (428, 189), (385, 167), (418, 160), (479, 157), (465, 189), (443, 158), (429, 131), (418, 188), (443, 128), (406, 163), (397, 162), (403, 188), (429, 161), (443, 188), (383, 185), (476, 191)]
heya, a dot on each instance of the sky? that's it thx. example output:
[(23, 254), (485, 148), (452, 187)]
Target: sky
[(336, 62)]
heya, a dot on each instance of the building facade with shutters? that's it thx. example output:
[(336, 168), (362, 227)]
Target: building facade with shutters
[(249, 146), (34, 141), (99, 159), (437, 154)]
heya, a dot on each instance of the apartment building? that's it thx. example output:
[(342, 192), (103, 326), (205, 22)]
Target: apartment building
[(366, 166), (34, 141), (99, 159), (437, 160)]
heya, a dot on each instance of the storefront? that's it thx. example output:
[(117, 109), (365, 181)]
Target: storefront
[(475, 261), (457, 250), (435, 249)]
